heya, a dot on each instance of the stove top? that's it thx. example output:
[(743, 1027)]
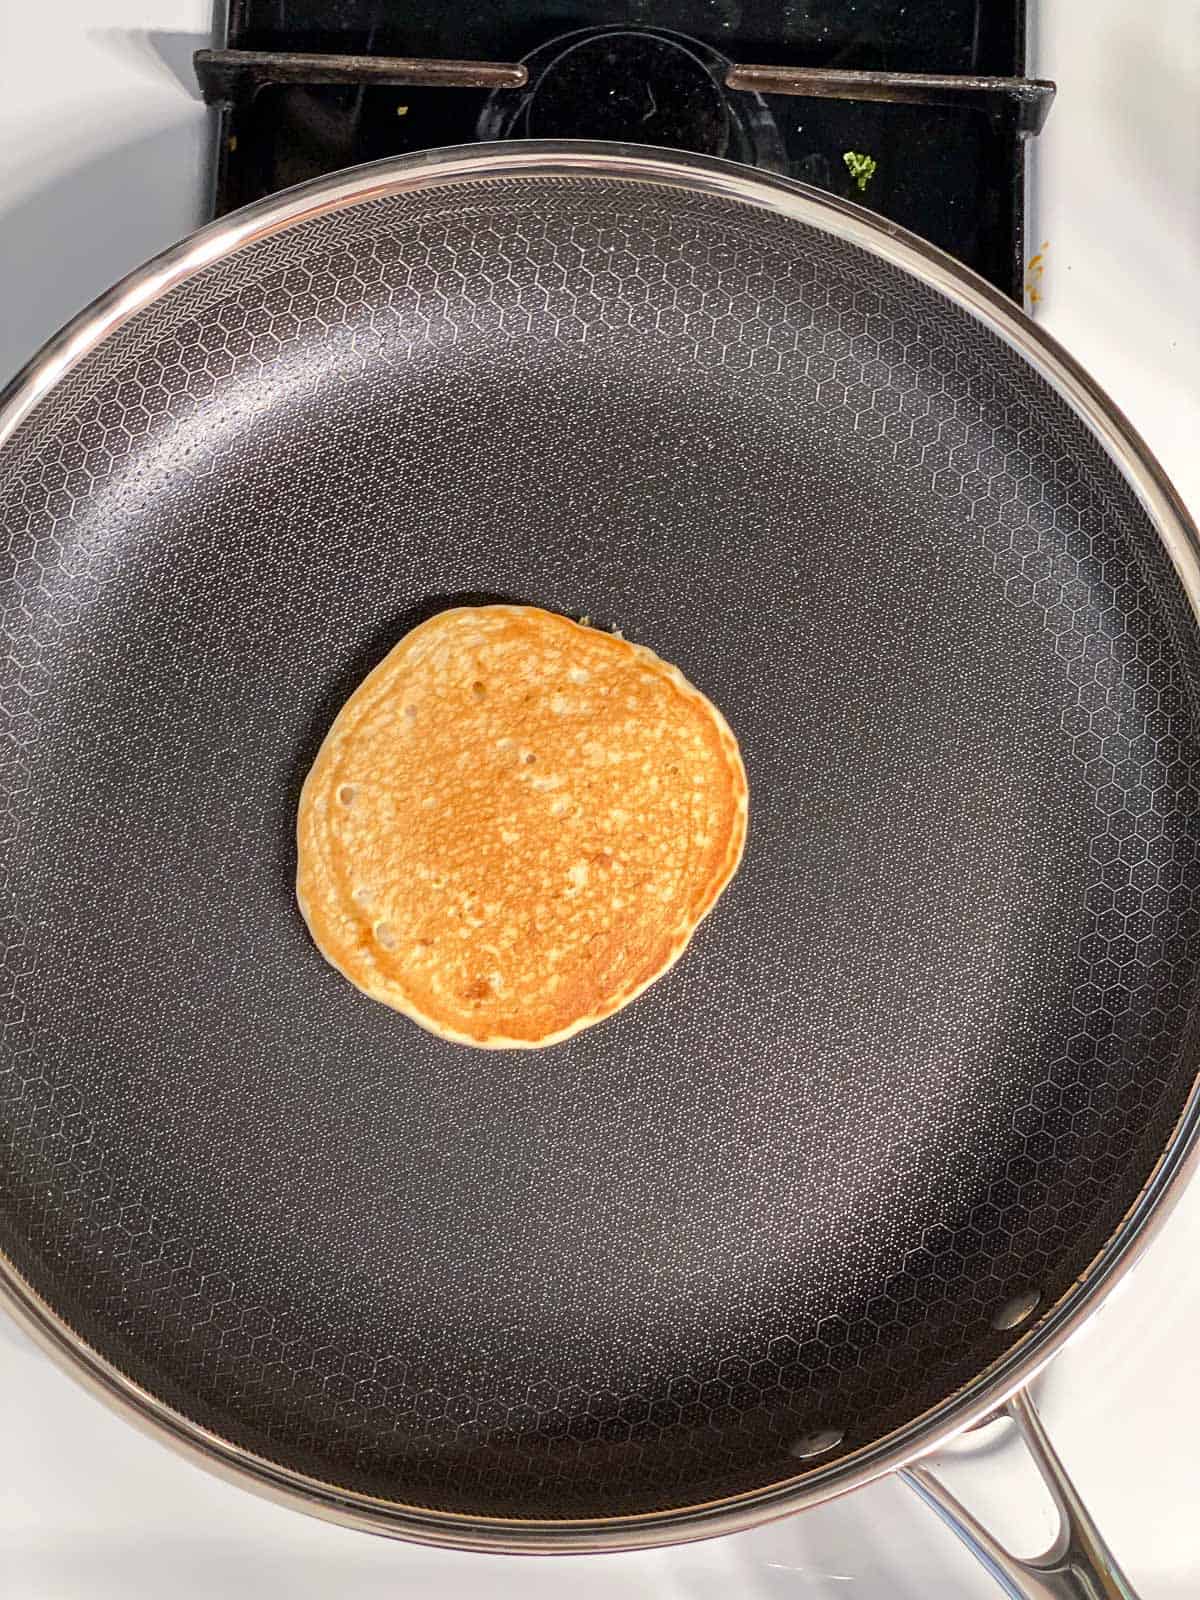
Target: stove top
[(915, 108)]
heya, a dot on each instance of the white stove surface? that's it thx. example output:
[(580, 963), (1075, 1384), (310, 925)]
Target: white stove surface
[(103, 153)]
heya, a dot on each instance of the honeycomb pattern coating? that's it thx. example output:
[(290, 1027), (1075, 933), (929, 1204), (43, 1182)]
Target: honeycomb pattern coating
[(924, 1054)]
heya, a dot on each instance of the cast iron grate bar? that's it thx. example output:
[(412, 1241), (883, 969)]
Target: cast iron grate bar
[(227, 76)]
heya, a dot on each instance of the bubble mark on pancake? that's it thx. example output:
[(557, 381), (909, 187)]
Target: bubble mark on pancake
[(347, 793), (385, 935)]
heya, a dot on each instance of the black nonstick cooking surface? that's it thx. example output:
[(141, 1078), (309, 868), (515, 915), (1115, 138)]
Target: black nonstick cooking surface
[(922, 1057)]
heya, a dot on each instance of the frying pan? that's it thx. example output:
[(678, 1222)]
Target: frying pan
[(841, 1182)]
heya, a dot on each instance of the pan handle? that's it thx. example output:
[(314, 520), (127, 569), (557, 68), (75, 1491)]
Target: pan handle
[(1077, 1566)]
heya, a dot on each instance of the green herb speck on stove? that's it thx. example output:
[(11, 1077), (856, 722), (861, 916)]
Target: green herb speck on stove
[(860, 167)]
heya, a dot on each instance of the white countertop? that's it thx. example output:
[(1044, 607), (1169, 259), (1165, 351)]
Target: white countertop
[(103, 157)]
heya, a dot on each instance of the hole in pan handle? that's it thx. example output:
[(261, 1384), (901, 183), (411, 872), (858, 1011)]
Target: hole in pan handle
[(1077, 1566)]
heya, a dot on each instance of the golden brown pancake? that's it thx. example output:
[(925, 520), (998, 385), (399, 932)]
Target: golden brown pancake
[(515, 824)]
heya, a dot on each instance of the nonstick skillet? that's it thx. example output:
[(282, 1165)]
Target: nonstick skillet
[(924, 1083)]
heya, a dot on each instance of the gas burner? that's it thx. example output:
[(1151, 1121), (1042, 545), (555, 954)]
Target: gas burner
[(639, 86), (917, 111)]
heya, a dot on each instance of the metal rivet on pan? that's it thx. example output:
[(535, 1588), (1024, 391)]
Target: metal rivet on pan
[(1016, 1310), (819, 1443)]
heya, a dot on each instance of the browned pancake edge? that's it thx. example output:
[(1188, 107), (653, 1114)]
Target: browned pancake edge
[(515, 825)]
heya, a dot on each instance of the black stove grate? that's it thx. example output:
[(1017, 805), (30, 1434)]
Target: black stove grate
[(952, 170)]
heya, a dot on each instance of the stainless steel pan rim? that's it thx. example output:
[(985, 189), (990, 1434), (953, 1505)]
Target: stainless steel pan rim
[(1180, 537)]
